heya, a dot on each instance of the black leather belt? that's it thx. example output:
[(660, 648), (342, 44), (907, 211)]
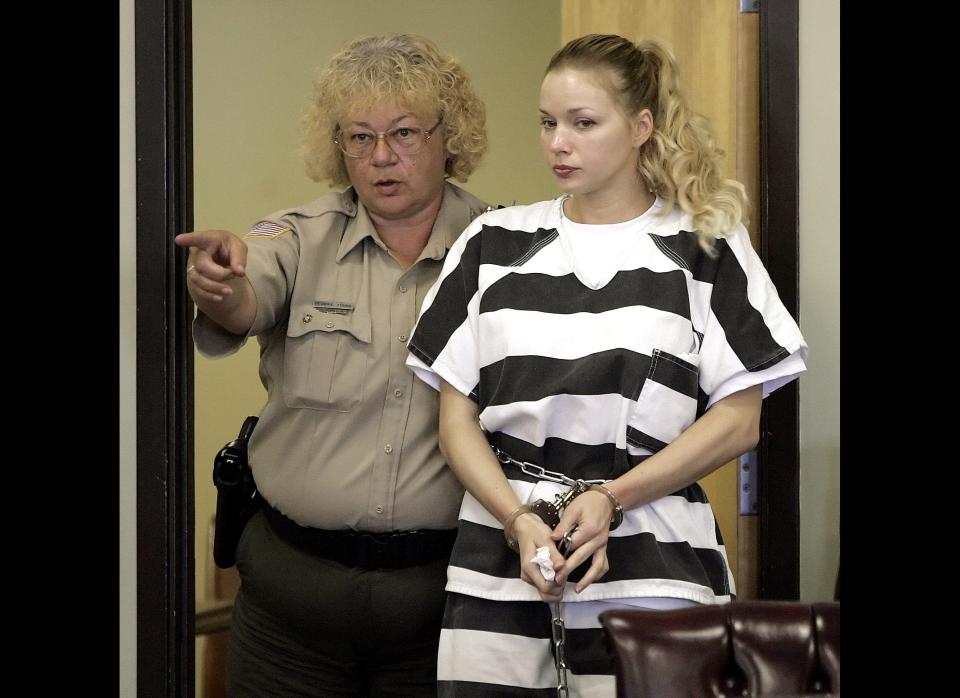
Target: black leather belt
[(362, 549)]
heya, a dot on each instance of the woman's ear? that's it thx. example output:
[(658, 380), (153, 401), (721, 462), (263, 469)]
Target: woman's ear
[(642, 127)]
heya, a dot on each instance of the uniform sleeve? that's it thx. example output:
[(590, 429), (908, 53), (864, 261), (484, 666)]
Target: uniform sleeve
[(273, 255), (444, 342), (750, 338)]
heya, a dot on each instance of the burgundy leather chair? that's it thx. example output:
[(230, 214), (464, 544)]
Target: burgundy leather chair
[(744, 648)]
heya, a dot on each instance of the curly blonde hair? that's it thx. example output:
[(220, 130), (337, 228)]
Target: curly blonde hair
[(404, 68), (681, 162)]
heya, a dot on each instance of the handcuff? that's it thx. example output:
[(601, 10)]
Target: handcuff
[(550, 513)]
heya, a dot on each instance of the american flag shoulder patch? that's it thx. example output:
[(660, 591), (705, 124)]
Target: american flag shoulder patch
[(266, 229)]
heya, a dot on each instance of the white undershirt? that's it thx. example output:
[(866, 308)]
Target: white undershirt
[(596, 251)]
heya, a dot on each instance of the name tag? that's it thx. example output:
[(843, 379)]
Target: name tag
[(333, 307)]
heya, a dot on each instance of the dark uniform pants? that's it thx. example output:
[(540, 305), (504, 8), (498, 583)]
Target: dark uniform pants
[(306, 626)]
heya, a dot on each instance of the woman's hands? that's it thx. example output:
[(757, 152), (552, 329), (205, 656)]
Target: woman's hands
[(590, 513), (216, 278), (216, 258), (531, 533), (589, 516)]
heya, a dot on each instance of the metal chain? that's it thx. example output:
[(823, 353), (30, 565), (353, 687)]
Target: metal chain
[(558, 629), (559, 632), (539, 471)]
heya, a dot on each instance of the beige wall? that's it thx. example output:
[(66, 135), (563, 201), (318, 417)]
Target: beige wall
[(128, 374), (253, 66), (820, 296)]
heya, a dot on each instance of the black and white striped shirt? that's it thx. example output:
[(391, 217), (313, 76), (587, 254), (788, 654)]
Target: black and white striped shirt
[(590, 382)]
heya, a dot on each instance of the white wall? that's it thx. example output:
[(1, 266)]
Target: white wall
[(820, 297), (128, 356)]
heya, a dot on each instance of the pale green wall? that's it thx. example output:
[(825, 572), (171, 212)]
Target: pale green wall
[(253, 65), (820, 296)]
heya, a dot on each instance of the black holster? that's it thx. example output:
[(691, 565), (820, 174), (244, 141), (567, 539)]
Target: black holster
[(237, 496)]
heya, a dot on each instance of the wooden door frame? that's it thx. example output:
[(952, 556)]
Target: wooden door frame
[(165, 524), (779, 447)]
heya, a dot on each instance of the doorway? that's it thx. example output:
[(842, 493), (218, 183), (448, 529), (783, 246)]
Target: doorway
[(165, 467)]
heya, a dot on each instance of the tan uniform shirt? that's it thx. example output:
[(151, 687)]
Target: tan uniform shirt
[(348, 437)]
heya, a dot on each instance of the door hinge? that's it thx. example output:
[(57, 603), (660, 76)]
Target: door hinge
[(747, 484)]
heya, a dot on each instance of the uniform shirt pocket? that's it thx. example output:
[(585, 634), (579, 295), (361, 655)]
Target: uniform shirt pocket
[(325, 359), (667, 404)]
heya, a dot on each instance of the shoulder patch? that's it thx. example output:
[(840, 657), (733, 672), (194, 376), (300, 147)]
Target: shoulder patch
[(266, 229)]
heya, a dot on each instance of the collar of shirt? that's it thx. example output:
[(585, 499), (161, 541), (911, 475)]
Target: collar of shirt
[(454, 210)]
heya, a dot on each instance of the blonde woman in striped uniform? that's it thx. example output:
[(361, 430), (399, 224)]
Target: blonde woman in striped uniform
[(613, 346)]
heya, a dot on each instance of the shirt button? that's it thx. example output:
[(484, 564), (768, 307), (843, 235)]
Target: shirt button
[(379, 510), (402, 289), (402, 338), (307, 318), (388, 448), (398, 393), (328, 325)]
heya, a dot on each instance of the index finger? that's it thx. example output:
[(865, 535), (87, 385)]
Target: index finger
[(225, 248), (192, 239)]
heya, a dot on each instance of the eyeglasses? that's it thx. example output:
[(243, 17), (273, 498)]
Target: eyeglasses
[(405, 140)]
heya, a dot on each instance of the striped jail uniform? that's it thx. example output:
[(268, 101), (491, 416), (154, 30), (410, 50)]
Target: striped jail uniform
[(589, 382)]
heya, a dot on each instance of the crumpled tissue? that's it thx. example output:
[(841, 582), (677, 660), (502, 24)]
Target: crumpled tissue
[(545, 563)]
